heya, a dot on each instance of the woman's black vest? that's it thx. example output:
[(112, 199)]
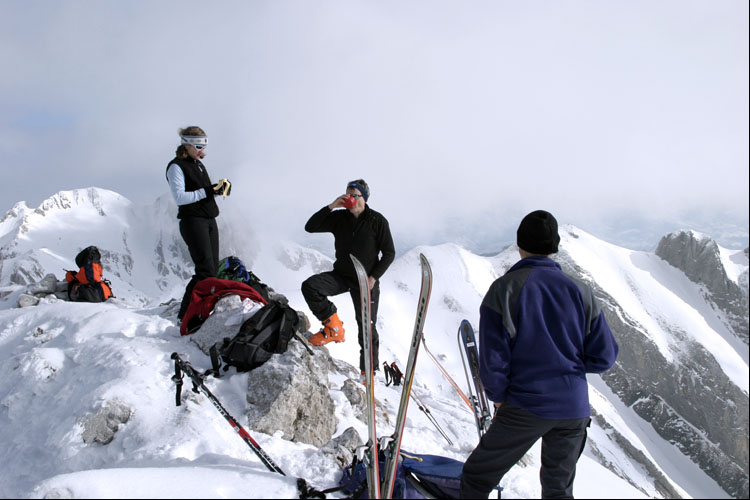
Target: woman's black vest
[(196, 178)]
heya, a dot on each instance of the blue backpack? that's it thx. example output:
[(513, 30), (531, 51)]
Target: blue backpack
[(417, 476)]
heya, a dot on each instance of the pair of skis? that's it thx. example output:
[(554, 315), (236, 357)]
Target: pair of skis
[(480, 406), (391, 445), (477, 399)]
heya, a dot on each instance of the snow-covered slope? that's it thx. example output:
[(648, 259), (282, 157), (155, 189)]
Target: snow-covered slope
[(67, 367)]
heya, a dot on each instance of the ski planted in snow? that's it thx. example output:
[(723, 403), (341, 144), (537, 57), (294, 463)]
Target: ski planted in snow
[(392, 444), (180, 367), (470, 357), (369, 453)]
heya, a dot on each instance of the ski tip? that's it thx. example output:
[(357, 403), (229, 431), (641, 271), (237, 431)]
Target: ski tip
[(426, 269)]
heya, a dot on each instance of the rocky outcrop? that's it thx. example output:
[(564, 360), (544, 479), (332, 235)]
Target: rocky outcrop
[(698, 256), (49, 289), (343, 447), (290, 393)]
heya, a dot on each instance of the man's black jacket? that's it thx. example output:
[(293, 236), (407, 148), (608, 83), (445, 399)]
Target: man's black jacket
[(365, 237)]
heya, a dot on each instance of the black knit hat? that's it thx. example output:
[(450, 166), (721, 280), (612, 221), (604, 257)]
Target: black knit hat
[(537, 233)]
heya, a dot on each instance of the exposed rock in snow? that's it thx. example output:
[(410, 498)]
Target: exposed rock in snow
[(290, 393), (102, 425), (342, 447)]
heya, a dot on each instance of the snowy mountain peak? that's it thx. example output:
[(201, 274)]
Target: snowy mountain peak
[(21, 219), (65, 200), (18, 211)]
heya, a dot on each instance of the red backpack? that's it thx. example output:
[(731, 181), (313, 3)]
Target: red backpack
[(87, 285)]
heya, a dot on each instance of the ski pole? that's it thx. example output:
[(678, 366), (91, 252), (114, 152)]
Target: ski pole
[(177, 379), (430, 417), (392, 372), (199, 386), (448, 377)]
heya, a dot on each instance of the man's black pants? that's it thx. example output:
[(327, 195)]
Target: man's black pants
[(512, 433), (201, 236), (317, 288)]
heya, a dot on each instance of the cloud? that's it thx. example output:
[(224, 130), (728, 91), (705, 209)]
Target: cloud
[(450, 112)]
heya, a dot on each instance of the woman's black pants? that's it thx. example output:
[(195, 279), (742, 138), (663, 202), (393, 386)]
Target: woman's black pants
[(201, 236)]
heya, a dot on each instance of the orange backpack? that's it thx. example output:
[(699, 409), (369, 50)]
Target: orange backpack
[(87, 285)]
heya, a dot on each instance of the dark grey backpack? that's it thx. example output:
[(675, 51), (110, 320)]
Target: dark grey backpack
[(266, 333)]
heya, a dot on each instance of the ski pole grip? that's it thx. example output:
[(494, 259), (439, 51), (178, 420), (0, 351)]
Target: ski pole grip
[(177, 378)]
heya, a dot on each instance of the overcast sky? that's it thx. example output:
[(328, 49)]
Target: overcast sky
[(462, 115)]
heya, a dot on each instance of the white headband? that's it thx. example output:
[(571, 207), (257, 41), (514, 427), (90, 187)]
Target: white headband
[(194, 140)]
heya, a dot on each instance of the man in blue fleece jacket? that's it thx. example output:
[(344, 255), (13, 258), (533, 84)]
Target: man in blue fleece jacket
[(540, 332)]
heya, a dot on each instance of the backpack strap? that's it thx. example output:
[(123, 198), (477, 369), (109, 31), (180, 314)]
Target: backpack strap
[(287, 328), (262, 336), (215, 370), (306, 491)]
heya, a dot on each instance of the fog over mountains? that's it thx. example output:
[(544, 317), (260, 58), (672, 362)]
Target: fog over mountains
[(670, 419)]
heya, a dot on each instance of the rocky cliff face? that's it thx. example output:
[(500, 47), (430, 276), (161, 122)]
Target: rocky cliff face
[(689, 401), (698, 256)]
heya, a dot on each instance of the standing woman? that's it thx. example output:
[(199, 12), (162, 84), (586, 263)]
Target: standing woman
[(197, 210)]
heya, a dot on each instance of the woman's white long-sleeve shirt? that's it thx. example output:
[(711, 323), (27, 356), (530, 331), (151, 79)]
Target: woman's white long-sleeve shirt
[(176, 178)]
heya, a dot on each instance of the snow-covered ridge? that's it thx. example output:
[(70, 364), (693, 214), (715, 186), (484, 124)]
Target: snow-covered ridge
[(119, 352)]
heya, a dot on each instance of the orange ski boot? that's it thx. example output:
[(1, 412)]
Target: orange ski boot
[(332, 331)]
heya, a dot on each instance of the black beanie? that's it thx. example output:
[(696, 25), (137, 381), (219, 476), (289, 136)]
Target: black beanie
[(538, 233)]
